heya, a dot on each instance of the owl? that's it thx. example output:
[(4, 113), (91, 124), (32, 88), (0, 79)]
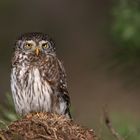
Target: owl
[(38, 78)]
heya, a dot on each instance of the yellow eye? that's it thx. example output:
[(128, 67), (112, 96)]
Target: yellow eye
[(28, 46), (45, 45)]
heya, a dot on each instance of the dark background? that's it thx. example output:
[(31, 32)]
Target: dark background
[(82, 33)]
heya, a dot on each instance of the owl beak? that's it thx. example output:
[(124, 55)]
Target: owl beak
[(37, 51)]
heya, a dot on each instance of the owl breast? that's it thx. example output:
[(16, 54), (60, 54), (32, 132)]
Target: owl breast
[(30, 92)]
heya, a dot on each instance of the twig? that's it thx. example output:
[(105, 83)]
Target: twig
[(109, 125), (2, 137), (38, 136), (43, 125), (43, 137)]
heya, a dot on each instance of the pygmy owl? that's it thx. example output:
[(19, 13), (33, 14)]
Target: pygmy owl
[(38, 78)]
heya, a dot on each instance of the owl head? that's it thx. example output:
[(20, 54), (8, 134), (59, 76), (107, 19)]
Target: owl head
[(35, 43)]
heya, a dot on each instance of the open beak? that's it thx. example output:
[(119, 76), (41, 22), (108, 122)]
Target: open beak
[(37, 51)]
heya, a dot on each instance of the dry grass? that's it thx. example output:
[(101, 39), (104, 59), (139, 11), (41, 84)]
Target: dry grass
[(46, 126)]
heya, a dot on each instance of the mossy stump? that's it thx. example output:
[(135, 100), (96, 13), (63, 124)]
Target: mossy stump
[(46, 126)]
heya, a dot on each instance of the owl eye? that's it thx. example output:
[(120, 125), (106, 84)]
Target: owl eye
[(45, 45), (28, 46)]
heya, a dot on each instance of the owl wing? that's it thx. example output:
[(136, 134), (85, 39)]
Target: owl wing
[(63, 83), (56, 76)]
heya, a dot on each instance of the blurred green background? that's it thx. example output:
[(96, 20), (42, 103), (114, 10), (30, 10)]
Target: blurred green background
[(98, 41)]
